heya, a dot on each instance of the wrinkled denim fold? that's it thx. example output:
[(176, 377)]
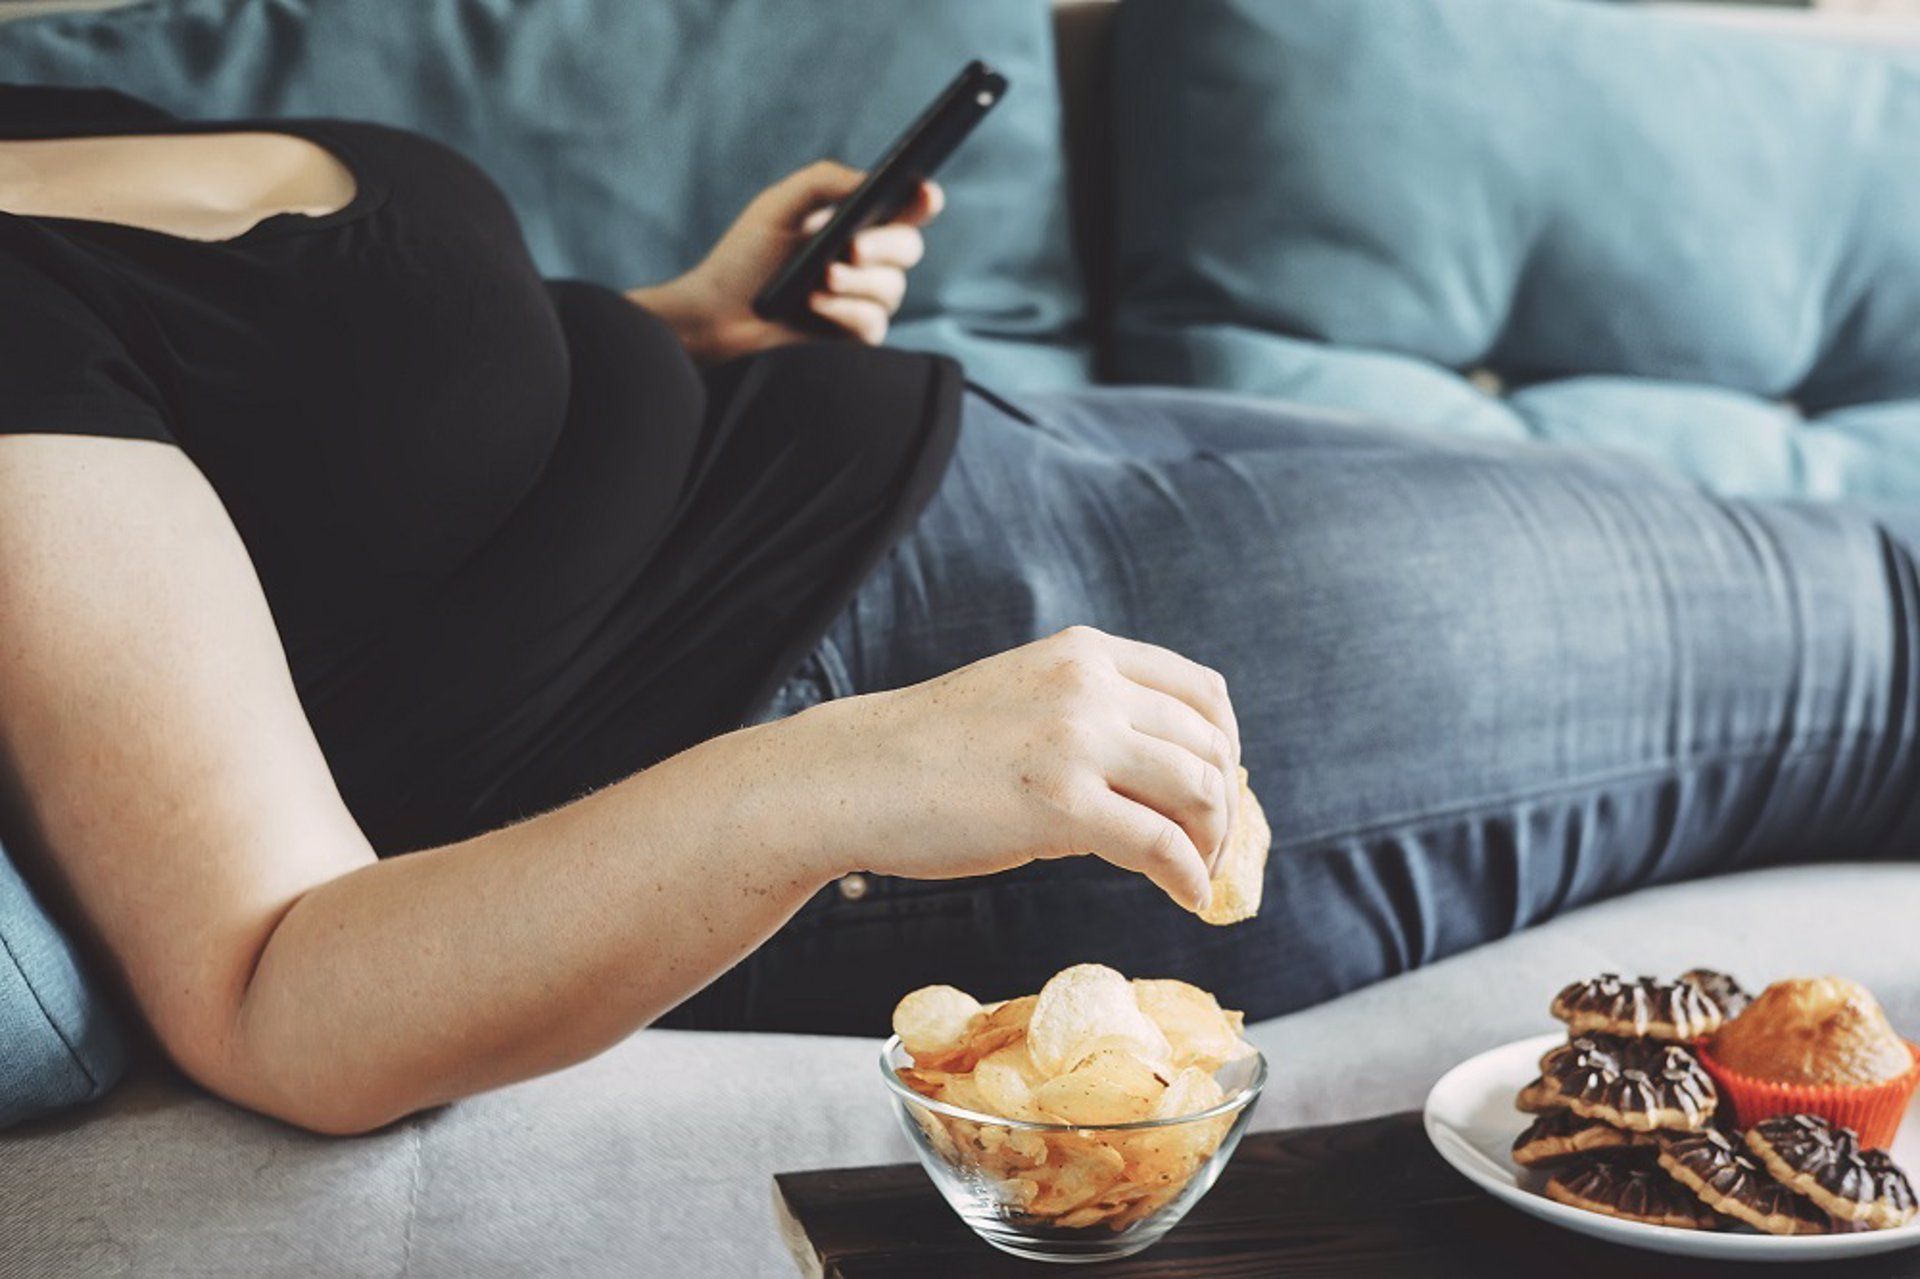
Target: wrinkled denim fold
[(1478, 683)]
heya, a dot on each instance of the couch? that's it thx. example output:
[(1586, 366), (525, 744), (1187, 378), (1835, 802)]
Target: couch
[(656, 1157)]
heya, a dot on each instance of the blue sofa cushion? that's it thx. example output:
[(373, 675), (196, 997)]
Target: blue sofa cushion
[(59, 1043), (629, 134), (1355, 201), (1734, 443)]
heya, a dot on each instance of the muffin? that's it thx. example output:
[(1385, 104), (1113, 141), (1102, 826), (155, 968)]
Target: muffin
[(1816, 1032), (1815, 1046)]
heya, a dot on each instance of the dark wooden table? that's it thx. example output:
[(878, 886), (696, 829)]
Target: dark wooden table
[(1369, 1198)]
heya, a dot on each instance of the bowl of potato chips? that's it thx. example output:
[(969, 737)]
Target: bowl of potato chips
[(1078, 1124)]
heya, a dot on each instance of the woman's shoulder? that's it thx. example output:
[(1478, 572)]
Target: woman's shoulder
[(64, 369)]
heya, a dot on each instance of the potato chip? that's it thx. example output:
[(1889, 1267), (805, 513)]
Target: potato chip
[(999, 1025), (1193, 1022), (1012, 1149), (970, 1137), (1145, 1206), (925, 1082), (1125, 1047), (1191, 1091), (964, 1092), (1240, 875), (932, 1022), (1006, 1079), (1019, 1192), (1063, 1185), (936, 1130), (1081, 1218), (1030, 1146), (1085, 1003), (1124, 1192), (1159, 1156), (1125, 1202), (1110, 1086)]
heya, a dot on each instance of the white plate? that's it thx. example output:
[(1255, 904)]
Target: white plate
[(1472, 1123)]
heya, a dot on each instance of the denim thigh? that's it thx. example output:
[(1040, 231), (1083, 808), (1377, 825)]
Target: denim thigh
[(1479, 683)]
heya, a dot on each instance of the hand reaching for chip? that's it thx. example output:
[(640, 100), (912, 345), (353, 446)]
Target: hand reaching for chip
[(1079, 743)]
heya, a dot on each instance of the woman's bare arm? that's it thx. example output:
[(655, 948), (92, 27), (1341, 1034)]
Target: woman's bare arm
[(148, 714)]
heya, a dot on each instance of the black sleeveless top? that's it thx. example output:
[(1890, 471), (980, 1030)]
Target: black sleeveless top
[(516, 544)]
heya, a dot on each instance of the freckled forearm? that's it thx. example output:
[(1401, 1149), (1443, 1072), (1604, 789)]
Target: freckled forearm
[(440, 974)]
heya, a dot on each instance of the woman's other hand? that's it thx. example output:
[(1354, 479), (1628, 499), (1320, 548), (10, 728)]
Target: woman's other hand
[(1079, 743), (711, 306)]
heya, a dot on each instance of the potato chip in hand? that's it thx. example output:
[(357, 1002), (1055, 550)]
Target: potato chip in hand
[(1239, 877)]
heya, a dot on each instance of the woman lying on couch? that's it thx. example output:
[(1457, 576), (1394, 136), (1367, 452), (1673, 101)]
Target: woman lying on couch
[(330, 531)]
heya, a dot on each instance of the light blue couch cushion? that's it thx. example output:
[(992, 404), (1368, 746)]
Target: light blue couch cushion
[(1357, 201), (59, 1044), (629, 134)]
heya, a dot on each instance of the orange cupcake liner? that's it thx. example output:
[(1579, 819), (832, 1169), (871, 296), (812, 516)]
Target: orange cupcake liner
[(1874, 1111)]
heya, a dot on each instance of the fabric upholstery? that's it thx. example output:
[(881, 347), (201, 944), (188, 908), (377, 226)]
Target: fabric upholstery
[(630, 135), (1358, 202), (661, 1151), (1479, 683), (59, 1042)]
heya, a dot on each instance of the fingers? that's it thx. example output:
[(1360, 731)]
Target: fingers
[(808, 198), (1203, 689), (1171, 720), (864, 318), (863, 293), (886, 285), (893, 244), (925, 206), (801, 193), (1136, 838), (1177, 784)]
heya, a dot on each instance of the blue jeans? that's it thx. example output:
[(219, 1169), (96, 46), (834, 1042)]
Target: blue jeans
[(1478, 684)]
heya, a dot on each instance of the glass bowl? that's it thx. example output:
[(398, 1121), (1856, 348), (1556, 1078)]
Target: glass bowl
[(1066, 1192)]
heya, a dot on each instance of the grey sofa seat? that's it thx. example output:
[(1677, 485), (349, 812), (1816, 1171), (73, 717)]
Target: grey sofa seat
[(655, 1158)]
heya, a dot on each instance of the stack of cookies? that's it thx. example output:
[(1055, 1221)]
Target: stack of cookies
[(1630, 1124)]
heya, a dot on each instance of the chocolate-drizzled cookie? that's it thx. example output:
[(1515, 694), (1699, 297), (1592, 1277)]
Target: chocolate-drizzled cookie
[(1727, 994), (1674, 1011), (1898, 1203), (1630, 1191), (1560, 1135), (1824, 1162), (1730, 1181), (1640, 1085)]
